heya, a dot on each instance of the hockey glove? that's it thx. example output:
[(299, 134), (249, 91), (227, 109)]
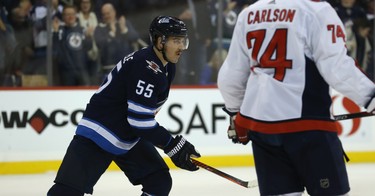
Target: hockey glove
[(371, 106), (237, 133), (232, 131), (180, 151)]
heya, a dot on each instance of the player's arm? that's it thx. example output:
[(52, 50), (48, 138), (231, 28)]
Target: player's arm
[(330, 54), (236, 133), (232, 81), (235, 71), (142, 107)]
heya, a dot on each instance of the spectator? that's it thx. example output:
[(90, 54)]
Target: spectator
[(211, 69), (363, 49), (7, 55), (196, 15), (231, 9), (98, 4), (114, 38), (71, 45), (6, 7), (348, 10), (38, 64), (22, 25), (369, 5), (88, 21)]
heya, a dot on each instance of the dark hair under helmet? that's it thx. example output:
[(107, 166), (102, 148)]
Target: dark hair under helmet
[(166, 26)]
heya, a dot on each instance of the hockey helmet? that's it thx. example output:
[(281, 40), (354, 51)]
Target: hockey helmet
[(166, 26)]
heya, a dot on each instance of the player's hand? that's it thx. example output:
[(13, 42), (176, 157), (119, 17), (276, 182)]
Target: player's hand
[(237, 133), (371, 106), (180, 151), (232, 131)]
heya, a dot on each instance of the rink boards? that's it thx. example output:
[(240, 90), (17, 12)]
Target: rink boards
[(36, 126)]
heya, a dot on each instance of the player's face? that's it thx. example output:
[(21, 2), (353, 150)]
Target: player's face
[(174, 47)]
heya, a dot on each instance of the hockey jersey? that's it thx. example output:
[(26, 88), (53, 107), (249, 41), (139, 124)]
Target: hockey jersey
[(283, 58), (123, 109)]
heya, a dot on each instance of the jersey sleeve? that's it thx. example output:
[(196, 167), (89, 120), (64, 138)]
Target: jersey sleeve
[(330, 54), (234, 72), (143, 89)]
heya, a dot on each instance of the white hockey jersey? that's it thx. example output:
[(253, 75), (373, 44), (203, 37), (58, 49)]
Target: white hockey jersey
[(284, 56)]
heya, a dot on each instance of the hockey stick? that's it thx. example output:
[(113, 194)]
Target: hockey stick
[(352, 115), (245, 184)]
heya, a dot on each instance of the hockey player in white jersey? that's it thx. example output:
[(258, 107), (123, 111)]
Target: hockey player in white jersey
[(283, 58)]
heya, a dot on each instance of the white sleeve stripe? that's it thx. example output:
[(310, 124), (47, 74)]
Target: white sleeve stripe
[(119, 66), (140, 108), (162, 102), (107, 135), (139, 123), (139, 112)]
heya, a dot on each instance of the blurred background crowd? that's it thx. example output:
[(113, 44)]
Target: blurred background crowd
[(77, 42)]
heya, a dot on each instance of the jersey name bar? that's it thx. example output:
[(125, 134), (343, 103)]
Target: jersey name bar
[(271, 15)]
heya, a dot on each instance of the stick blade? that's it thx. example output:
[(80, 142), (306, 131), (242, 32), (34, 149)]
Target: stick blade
[(252, 184)]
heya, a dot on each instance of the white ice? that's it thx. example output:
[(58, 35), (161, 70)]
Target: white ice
[(202, 182)]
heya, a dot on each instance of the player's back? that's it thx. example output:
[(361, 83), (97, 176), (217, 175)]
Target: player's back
[(271, 21), (280, 46), (284, 57)]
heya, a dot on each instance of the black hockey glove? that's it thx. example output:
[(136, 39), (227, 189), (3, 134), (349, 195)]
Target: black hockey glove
[(180, 151)]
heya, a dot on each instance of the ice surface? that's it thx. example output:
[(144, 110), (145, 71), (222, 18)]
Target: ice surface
[(185, 183)]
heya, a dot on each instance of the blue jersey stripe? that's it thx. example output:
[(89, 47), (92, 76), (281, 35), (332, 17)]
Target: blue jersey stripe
[(103, 137)]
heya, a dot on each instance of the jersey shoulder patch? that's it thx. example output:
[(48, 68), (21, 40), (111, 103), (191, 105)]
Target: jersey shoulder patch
[(154, 67)]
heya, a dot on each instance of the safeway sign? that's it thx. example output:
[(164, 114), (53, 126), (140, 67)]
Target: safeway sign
[(39, 124), (355, 130)]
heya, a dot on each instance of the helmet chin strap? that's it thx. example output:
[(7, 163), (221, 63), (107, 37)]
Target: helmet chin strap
[(162, 50), (165, 56)]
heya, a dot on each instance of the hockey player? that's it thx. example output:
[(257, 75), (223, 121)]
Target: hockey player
[(283, 57), (119, 121)]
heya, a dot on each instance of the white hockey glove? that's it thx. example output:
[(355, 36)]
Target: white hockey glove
[(235, 132), (371, 106), (232, 131)]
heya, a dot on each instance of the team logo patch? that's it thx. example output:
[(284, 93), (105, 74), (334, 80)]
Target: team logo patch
[(324, 183), (153, 66), (164, 20), (75, 40)]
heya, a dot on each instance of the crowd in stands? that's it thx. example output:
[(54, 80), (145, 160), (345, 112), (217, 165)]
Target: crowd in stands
[(358, 19), (90, 36)]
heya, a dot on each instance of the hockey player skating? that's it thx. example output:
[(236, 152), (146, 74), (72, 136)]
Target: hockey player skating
[(119, 122), (283, 58)]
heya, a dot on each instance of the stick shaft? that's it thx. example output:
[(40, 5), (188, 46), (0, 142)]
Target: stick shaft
[(254, 183), (224, 175), (352, 115)]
